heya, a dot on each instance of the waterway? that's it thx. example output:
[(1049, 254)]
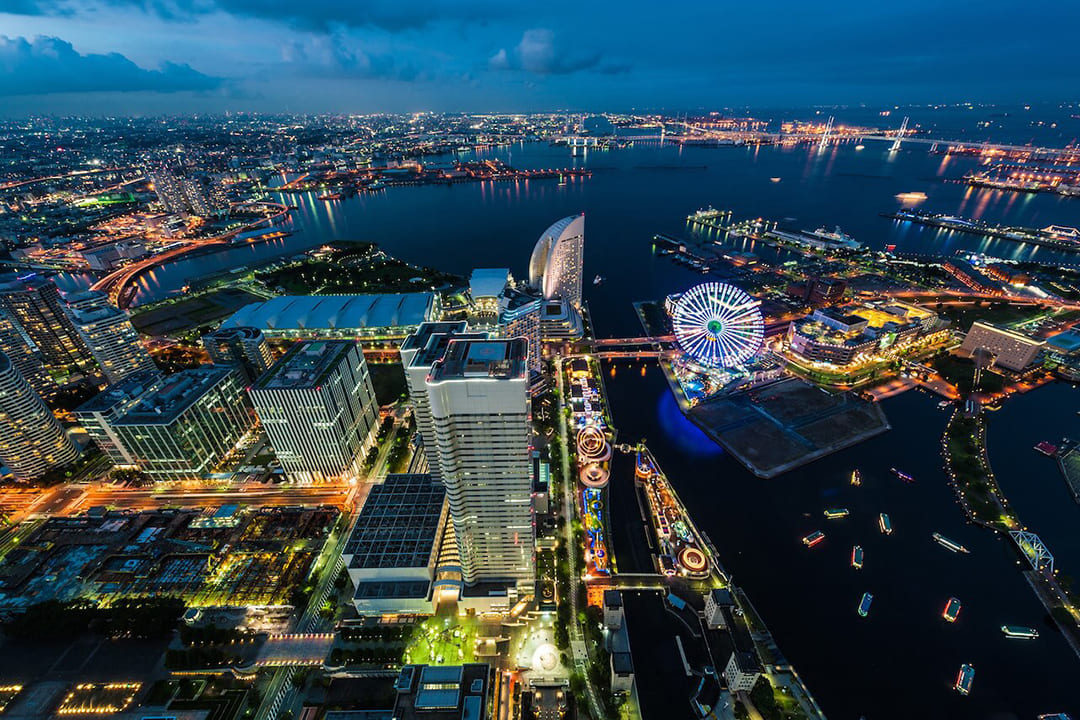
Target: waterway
[(902, 660)]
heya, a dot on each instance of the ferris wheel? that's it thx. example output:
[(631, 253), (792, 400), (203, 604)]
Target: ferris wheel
[(718, 324)]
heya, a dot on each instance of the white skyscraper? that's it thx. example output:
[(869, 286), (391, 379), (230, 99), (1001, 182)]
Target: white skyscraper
[(555, 267), (418, 353), (31, 440), (318, 408), (478, 395), (107, 332)]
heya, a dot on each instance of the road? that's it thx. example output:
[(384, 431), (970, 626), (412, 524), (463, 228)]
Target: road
[(281, 695)]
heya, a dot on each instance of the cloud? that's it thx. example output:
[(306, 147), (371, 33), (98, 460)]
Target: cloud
[(538, 53), (49, 65), (315, 15), (336, 56)]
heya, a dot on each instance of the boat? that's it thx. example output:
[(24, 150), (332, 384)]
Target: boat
[(856, 477), (952, 610), (813, 538), (1018, 632), (944, 404), (964, 679), (864, 604), (885, 524), (857, 557), (1047, 449), (1054, 716), (949, 544), (597, 280), (329, 196), (902, 475), (911, 196), (836, 513), (774, 179)]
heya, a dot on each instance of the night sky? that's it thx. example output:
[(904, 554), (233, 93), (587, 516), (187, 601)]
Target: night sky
[(181, 56)]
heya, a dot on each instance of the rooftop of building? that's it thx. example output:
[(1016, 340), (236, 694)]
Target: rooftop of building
[(450, 692), (432, 338), (488, 282), (241, 332), (305, 366), (1068, 341), (335, 312), (1011, 334), (128, 389), (175, 394), (612, 599), (398, 526), (722, 597), (469, 359)]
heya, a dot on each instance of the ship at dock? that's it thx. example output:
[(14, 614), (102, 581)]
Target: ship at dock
[(1058, 237), (820, 239), (949, 544)]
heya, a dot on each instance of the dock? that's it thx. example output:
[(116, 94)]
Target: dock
[(1068, 459)]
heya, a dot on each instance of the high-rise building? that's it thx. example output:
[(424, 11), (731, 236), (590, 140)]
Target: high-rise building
[(24, 356), (98, 415), (318, 408), (35, 304), (181, 192), (243, 346), (187, 425), (32, 441), (478, 395), (107, 332), (555, 268), (418, 353), (519, 316)]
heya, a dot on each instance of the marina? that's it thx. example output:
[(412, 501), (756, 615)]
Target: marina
[(1062, 238)]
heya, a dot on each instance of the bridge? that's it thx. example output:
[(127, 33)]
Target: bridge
[(1034, 550), (119, 285)]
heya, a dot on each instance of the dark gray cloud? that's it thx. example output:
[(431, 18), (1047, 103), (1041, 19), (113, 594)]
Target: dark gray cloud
[(49, 65), (315, 15), (539, 53), (334, 56)]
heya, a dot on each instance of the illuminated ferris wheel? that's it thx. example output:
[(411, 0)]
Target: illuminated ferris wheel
[(718, 324)]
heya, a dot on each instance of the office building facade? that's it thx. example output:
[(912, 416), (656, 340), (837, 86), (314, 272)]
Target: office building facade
[(418, 353), (32, 441), (318, 408), (35, 304), (107, 333), (187, 425), (98, 415), (478, 395)]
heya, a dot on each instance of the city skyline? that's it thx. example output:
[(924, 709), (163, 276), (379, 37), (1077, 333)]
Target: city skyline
[(65, 56)]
